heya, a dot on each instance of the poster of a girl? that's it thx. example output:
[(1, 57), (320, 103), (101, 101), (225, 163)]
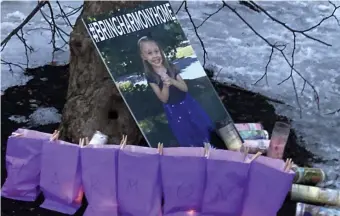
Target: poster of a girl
[(188, 121)]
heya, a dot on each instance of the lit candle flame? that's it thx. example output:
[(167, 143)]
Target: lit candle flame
[(191, 212)]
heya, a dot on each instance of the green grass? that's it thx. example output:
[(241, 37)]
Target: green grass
[(184, 52)]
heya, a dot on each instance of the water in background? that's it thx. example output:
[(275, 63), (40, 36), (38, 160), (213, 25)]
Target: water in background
[(232, 46)]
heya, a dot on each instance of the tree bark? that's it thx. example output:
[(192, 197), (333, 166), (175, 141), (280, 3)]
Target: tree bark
[(93, 102)]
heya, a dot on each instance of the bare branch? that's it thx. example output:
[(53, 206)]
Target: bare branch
[(55, 29), (250, 6), (303, 32), (280, 49), (179, 8), (11, 64), (210, 15), (266, 68), (27, 48), (64, 16), (205, 53), (28, 18), (335, 17), (334, 112)]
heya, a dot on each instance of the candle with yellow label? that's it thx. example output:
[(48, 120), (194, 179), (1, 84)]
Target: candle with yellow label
[(229, 135), (305, 175), (310, 194)]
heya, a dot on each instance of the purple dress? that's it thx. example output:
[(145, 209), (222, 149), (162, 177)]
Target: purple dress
[(190, 124)]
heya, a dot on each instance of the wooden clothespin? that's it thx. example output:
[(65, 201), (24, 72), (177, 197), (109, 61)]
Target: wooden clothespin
[(207, 149), (288, 165), (249, 160), (245, 153), (123, 142), (55, 135), (160, 148), (81, 142)]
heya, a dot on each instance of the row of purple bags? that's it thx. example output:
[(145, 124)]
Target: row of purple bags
[(134, 180)]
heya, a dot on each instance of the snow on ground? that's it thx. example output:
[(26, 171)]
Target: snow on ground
[(38, 35), (242, 55), (44, 116)]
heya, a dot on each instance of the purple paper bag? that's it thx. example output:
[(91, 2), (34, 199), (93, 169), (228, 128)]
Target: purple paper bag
[(226, 182), (60, 178), (99, 166), (183, 179), (23, 156), (267, 187), (139, 189)]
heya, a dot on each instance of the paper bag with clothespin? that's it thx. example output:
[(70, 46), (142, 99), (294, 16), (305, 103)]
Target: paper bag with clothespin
[(23, 156), (60, 178), (269, 183), (183, 177), (226, 181), (99, 166), (139, 191)]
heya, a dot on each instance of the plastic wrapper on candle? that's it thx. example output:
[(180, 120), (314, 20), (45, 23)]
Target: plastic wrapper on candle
[(98, 139), (278, 140), (254, 134), (304, 175), (312, 210), (256, 145), (230, 137), (310, 194), (248, 126)]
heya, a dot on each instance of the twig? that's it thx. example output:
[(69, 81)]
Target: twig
[(28, 18), (280, 49), (335, 111), (27, 48), (335, 17), (11, 64), (179, 8), (63, 15), (205, 53), (303, 32), (266, 68), (53, 28), (250, 6), (210, 15)]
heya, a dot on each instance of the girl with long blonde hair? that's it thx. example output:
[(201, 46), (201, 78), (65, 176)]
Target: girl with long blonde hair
[(189, 123)]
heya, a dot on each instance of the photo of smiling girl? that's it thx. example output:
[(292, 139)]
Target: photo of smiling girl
[(190, 124)]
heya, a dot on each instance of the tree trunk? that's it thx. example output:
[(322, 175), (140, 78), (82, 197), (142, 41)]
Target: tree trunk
[(93, 101)]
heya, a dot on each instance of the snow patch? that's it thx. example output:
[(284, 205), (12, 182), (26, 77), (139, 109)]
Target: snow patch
[(44, 116), (16, 14), (18, 119)]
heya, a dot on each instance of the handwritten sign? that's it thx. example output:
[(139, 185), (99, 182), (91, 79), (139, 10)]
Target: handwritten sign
[(23, 169), (14, 166), (60, 178), (99, 169), (139, 190), (266, 185), (225, 185), (183, 183), (132, 185), (99, 174), (185, 191)]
